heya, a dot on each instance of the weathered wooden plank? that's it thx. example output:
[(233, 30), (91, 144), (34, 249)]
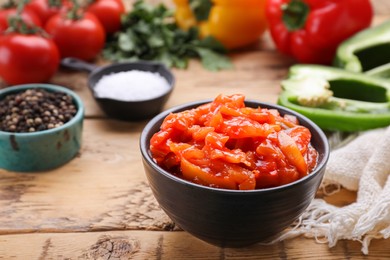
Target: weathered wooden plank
[(102, 188), (170, 245)]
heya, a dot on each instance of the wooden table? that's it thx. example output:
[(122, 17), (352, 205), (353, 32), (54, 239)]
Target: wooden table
[(100, 206)]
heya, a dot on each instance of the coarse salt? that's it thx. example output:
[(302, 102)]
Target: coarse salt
[(134, 85)]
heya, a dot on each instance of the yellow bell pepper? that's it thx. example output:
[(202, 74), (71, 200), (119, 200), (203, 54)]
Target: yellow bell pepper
[(235, 23), (183, 15)]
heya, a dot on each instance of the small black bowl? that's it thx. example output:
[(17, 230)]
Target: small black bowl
[(125, 110), (232, 218)]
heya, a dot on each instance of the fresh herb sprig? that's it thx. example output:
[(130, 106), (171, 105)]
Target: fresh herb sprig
[(150, 33)]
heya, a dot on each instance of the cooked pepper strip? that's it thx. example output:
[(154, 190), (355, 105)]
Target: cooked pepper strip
[(311, 30), (224, 144), (290, 149), (365, 51), (336, 99)]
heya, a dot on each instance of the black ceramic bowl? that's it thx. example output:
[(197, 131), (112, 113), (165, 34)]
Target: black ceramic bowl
[(232, 218), (125, 110)]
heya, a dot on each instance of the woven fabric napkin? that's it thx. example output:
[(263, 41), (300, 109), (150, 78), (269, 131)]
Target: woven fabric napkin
[(363, 165)]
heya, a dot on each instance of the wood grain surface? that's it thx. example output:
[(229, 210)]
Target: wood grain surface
[(99, 205)]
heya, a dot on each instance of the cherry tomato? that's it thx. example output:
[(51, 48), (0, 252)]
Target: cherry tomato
[(43, 9), (27, 58), (83, 38), (28, 17), (109, 13)]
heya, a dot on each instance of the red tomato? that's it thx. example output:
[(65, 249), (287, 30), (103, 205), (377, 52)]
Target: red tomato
[(44, 10), (28, 17), (109, 13), (27, 58), (83, 38)]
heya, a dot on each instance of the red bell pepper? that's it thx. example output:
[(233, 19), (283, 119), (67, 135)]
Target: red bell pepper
[(311, 30)]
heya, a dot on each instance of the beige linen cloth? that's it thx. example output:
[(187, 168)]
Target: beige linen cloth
[(362, 165)]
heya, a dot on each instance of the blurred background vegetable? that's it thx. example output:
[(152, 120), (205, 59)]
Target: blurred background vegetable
[(29, 17), (27, 58), (311, 30), (108, 12), (149, 33), (26, 54), (184, 16), (336, 99), (77, 33), (46, 8), (367, 51), (235, 23), (84, 28)]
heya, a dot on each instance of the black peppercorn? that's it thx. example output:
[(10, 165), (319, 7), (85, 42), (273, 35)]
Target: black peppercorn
[(35, 110)]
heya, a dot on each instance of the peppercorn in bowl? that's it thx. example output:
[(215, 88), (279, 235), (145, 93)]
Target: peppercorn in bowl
[(233, 172), (40, 127)]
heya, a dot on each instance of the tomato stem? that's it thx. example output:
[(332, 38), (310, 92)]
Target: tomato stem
[(20, 6), (295, 14), (74, 13), (54, 3), (17, 24)]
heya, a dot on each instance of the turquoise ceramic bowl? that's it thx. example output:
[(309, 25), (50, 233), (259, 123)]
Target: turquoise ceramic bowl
[(42, 150)]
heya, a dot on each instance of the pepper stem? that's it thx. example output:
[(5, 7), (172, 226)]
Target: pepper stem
[(295, 14)]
